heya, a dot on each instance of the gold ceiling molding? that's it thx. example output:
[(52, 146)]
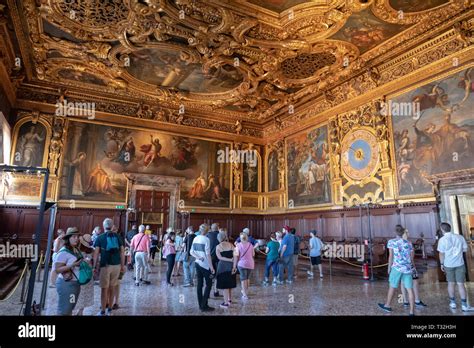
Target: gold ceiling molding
[(247, 52), (158, 116), (446, 18), (455, 43)]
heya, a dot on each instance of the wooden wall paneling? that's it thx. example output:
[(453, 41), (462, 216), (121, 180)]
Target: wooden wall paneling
[(9, 218)]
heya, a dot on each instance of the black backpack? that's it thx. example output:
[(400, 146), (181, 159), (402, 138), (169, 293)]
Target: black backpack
[(297, 245)]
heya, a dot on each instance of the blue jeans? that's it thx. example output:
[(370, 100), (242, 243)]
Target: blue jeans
[(273, 264), (189, 269), (286, 262), (68, 294)]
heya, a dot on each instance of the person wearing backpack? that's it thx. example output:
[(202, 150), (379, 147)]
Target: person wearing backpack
[(110, 246), (66, 266), (296, 252), (87, 290)]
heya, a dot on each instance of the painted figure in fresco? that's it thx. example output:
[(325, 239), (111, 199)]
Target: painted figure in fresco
[(436, 97), (152, 151), (252, 178), (184, 155), (366, 32), (77, 172), (273, 171), (28, 146), (213, 190), (99, 181), (197, 191), (126, 153)]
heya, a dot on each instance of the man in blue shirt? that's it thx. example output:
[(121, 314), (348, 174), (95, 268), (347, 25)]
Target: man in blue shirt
[(286, 256)]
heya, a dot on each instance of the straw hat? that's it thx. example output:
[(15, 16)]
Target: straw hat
[(86, 240), (70, 232)]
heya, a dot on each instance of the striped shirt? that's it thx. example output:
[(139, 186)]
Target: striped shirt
[(200, 248)]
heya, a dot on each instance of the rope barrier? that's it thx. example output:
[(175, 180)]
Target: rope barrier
[(39, 262), (16, 286), (349, 263)]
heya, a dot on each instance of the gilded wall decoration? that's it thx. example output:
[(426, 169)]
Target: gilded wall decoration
[(360, 156), (434, 133)]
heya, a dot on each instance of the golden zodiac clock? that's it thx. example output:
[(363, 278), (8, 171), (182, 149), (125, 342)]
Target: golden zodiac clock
[(360, 154)]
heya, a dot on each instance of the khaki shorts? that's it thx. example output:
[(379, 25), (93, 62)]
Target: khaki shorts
[(456, 274), (109, 276)]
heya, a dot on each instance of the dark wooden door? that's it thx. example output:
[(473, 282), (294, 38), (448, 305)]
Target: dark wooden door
[(154, 202)]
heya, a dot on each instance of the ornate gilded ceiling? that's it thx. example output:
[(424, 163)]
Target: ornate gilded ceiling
[(244, 61)]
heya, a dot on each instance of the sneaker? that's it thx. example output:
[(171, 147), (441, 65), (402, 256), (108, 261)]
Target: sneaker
[(310, 273), (137, 284), (265, 283), (386, 309), (207, 309), (275, 283), (101, 314), (280, 282), (289, 282), (108, 311), (224, 305), (310, 277), (406, 304), (452, 305), (147, 282), (245, 297), (115, 307), (321, 276), (170, 284), (216, 294), (420, 304), (187, 285), (467, 308)]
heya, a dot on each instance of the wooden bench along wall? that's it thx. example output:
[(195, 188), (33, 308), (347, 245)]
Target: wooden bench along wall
[(339, 225)]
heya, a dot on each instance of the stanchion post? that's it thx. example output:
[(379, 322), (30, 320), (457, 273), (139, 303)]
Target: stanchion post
[(23, 286)]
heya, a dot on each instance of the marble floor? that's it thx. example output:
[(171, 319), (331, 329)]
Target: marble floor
[(338, 294)]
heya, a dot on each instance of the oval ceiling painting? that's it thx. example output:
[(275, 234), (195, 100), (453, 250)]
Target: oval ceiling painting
[(164, 68)]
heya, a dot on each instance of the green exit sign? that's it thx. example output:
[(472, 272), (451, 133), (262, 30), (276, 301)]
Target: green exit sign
[(119, 207)]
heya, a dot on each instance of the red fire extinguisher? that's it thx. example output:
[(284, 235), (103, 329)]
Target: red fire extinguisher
[(365, 270)]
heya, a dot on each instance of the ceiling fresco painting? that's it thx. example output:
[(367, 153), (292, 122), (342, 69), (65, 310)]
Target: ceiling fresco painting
[(233, 61), (366, 31), (416, 6)]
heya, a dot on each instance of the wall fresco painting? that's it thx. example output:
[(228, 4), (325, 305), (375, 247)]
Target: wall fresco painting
[(308, 168), (440, 138), (272, 171), (98, 155), (30, 145)]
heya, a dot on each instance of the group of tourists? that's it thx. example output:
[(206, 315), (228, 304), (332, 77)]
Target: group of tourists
[(212, 263)]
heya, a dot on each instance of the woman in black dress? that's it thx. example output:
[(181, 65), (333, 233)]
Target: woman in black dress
[(226, 279)]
